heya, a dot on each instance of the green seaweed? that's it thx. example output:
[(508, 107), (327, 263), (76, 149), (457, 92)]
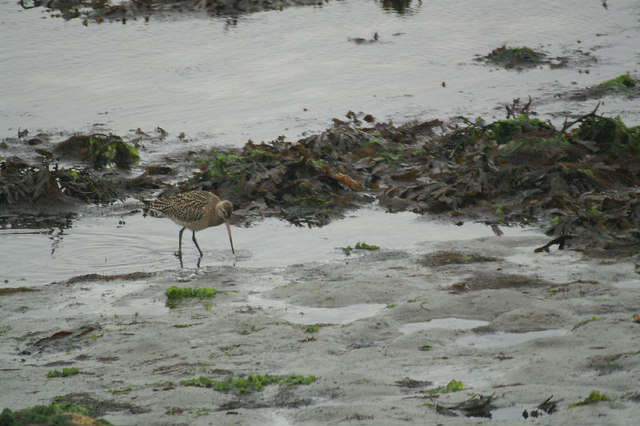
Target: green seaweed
[(611, 134), (178, 293), (586, 321), (365, 246), (106, 150), (123, 390), (248, 384), (623, 81), (452, 386), (359, 246), (219, 164), (312, 329), (57, 413), (593, 398), (65, 372), (534, 144), (504, 131)]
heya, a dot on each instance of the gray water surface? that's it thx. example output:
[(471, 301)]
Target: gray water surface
[(115, 243), (289, 72)]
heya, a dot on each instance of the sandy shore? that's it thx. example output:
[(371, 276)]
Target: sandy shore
[(512, 327)]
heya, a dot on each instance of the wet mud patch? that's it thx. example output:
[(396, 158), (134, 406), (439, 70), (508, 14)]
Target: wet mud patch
[(133, 276), (338, 288), (13, 290), (64, 340), (535, 317), (409, 383), (441, 258), (256, 390), (579, 288), (497, 281), (476, 406), (97, 407), (609, 364)]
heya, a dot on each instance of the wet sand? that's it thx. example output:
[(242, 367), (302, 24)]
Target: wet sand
[(513, 327)]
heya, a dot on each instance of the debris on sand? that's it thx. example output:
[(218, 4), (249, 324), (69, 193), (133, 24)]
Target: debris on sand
[(514, 57), (476, 406)]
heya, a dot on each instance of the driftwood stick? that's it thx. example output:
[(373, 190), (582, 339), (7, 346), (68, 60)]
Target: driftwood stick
[(560, 241), (568, 125)]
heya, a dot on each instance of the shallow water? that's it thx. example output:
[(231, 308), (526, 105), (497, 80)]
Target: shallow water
[(308, 315), (445, 323), (104, 245), (290, 72), (507, 339)]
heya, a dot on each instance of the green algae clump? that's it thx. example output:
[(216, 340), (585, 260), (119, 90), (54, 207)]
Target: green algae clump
[(177, 294), (58, 412), (249, 384), (452, 386), (65, 372), (623, 81), (593, 398), (100, 150)]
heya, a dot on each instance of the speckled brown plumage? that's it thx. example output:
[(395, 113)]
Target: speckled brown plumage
[(195, 210)]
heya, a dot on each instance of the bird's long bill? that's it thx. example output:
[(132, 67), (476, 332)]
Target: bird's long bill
[(230, 239)]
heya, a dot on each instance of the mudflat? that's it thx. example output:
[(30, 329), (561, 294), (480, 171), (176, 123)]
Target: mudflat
[(382, 336)]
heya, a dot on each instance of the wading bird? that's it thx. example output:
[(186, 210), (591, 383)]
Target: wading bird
[(195, 210)]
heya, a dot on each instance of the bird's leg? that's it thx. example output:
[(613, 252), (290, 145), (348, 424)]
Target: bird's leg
[(196, 243), (179, 253)]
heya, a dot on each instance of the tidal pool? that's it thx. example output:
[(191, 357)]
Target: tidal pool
[(118, 242)]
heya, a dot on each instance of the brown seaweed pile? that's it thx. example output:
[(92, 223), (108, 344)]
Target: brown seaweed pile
[(523, 58), (579, 180), (44, 184), (104, 10)]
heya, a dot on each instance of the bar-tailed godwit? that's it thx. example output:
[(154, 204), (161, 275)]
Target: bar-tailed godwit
[(195, 210)]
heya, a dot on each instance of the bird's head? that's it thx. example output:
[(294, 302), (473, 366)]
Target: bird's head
[(224, 209)]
